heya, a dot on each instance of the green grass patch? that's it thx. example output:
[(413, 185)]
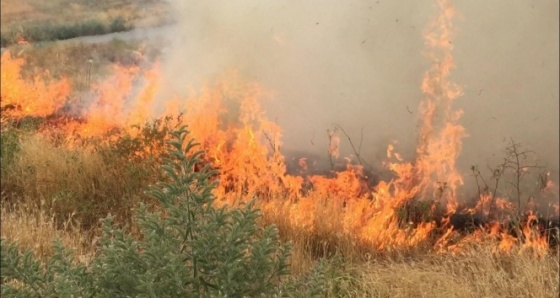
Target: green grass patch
[(50, 31)]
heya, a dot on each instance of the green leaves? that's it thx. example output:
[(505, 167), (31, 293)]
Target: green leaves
[(24, 276)]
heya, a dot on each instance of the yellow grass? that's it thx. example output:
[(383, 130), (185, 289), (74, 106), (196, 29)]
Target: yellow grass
[(476, 273), (67, 181), (417, 272), (34, 228)]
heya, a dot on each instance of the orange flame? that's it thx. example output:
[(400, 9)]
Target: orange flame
[(22, 98), (440, 136)]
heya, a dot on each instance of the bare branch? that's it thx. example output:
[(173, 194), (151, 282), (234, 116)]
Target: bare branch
[(356, 152)]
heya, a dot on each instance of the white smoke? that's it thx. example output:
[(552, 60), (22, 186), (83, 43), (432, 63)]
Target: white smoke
[(359, 64)]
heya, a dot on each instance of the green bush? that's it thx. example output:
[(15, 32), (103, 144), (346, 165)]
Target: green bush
[(9, 141), (36, 32), (187, 247), (118, 25)]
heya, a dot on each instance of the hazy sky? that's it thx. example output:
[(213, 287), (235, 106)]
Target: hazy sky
[(360, 64)]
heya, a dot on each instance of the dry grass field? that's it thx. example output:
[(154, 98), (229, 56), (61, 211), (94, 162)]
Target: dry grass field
[(34, 21)]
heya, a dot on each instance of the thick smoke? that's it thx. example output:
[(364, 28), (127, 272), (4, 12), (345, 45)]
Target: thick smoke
[(360, 64)]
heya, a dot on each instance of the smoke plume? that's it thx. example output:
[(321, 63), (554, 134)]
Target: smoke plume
[(360, 64)]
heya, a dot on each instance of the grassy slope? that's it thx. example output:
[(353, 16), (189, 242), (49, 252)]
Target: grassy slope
[(36, 20), (71, 59)]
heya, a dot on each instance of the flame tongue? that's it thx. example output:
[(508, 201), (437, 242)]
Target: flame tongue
[(21, 98), (440, 135)]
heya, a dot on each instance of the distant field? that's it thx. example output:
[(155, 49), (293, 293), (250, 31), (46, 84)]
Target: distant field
[(34, 20)]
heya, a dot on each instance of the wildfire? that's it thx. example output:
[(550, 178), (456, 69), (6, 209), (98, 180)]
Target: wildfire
[(226, 118), (440, 136), (21, 98)]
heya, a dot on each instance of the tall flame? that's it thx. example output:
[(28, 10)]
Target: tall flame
[(440, 135), (22, 98)]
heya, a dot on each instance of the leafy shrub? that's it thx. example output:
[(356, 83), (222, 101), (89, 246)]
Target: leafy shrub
[(9, 143), (118, 25), (147, 143), (188, 247), (35, 32)]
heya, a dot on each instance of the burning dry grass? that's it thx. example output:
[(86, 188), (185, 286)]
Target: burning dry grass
[(83, 64), (477, 272), (242, 144)]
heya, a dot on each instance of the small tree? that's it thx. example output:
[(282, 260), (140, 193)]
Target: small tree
[(188, 247)]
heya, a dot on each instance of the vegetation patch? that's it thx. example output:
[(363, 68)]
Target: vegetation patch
[(187, 247), (35, 21), (54, 31)]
